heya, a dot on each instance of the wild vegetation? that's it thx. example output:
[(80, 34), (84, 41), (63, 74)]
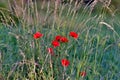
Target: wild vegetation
[(50, 41)]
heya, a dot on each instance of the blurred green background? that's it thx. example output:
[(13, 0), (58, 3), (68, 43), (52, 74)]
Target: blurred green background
[(115, 4)]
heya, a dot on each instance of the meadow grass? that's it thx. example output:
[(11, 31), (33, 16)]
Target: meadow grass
[(95, 51)]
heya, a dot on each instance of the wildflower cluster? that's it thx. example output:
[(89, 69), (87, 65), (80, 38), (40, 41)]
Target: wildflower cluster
[(56, 43)]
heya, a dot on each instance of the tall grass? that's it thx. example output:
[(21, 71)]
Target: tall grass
[(96, 51)]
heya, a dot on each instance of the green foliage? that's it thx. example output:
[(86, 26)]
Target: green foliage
[(96, 51)]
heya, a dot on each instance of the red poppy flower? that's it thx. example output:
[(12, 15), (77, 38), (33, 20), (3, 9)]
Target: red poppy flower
[(73, 34), (83, 73), (55, 43), (65, 62), (50, 50), (58, 37), (64, 39), (37, 35)]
